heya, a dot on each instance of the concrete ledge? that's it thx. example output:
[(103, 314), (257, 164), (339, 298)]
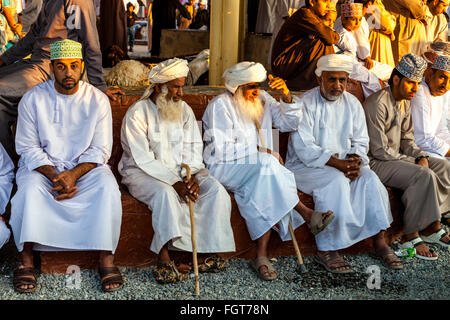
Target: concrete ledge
[(136, 231)]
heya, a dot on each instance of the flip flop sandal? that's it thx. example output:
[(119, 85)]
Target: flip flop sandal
[(319, 221), (23, 277), (109, 276), (388, 259), (413, 243), (213, 263), (337, 261), (168, 273), (435, 238), (445, 220), (263, 261)]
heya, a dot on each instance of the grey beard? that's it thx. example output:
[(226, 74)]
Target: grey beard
[(327, 95)]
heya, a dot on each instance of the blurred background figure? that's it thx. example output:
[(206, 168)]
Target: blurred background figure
[(29, 14), (112, 29), (183, 23), (202, 17), (164, 17)]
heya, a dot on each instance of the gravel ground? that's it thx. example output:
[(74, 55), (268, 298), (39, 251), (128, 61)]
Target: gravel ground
[(424, 280)]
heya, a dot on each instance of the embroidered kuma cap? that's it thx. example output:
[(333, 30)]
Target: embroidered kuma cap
[(65, 49), (351, 9), (442, 63), (412, 67)]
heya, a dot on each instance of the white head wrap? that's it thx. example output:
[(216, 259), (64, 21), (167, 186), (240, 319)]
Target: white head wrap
[(243, 73), (334, 62), (164, 72)]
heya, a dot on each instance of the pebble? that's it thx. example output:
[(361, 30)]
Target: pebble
[(418, 280)]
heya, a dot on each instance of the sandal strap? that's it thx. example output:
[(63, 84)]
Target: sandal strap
[(416, 241), (106, 271), (24, 272), (113, 279), (334, 262)]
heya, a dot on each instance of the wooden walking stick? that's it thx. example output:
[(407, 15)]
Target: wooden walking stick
[(291, 230), (194, 243)]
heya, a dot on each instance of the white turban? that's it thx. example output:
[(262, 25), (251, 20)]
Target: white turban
[(164, 72), (334, 62), (243, 73)]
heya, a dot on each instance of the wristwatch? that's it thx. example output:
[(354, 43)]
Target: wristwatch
[(421, 157)]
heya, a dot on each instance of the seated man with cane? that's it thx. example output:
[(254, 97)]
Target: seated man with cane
[(159, 134)]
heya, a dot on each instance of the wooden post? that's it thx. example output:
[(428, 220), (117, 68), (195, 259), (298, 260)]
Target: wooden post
[(226, 36)]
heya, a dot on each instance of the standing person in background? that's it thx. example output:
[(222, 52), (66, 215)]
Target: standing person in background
[(410, 34), (382, 25), (113, 27), (164, 15), (149, 24), (302, 40), (437, 29), (201, 19), (184, 22), (131, 19), (10, 11), (29, 14), (283, 10), (265, 21)]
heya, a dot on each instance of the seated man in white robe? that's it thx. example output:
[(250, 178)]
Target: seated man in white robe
[(429, 109), (6, 184), (159, 134), (67, 197), (328, 155), (239, 152), (346, 25)]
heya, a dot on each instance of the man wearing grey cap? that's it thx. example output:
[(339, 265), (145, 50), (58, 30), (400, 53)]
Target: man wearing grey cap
[(400, 163)]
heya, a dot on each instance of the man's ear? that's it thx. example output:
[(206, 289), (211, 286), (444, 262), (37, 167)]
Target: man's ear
[(82, 67), (396, 80), (52, 70), (157, 88)]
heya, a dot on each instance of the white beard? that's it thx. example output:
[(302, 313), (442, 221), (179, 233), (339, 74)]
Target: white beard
[(251, 111), (170, 110)]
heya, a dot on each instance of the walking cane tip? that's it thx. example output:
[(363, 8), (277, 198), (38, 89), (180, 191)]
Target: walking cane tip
[(302, 269)]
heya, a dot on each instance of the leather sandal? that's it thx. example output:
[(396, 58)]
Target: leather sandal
[(319, 221), (24, 276), (413, 243), (388, 258), (109, 276), (331, 261), (435, 238), (265, 275), (168, 273), (214, 263)]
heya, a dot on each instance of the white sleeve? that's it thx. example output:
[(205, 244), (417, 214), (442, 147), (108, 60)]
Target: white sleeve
[(362, 39), (192, 144), (443, 131), (421, 115), (285, 116), (134, 128), (28, 145), (221, 139), (6, 178), (360, 138), (100, 148), (310, 153)]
